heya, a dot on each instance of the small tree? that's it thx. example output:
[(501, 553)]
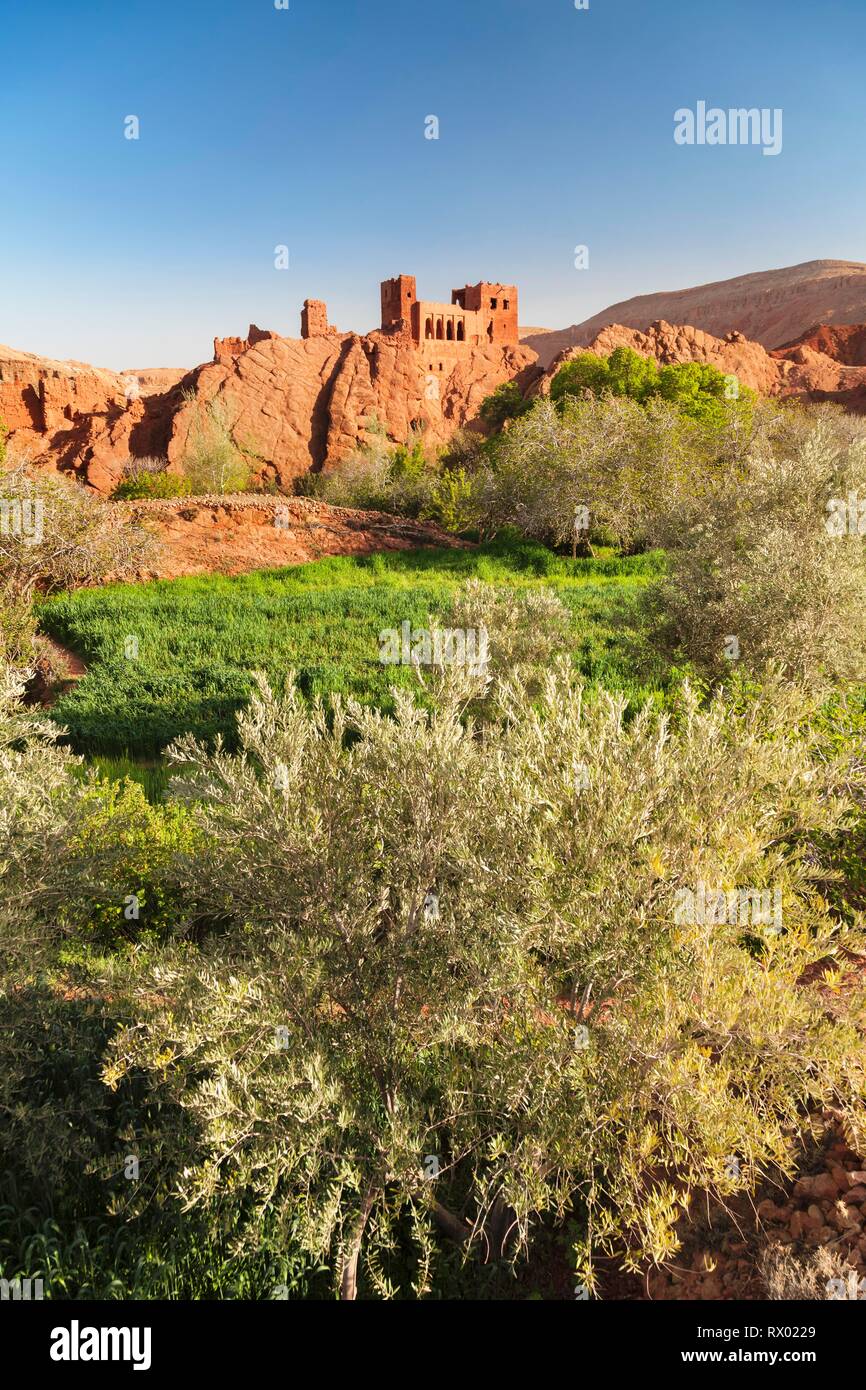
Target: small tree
[(505, 403), (212, 461), (56, 535), (450, 986), (768, 565)]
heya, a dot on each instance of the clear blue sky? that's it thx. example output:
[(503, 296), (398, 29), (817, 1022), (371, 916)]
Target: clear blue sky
[(306, 128)]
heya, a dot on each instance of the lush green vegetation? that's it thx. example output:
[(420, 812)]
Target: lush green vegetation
[(197, 640), (698, 390), (405, 994), (154, 481)]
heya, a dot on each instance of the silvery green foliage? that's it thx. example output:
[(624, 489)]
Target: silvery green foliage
[(752, 557), (79, 539), (619, 459), (39, 797), (526, 630), (549, 1035)]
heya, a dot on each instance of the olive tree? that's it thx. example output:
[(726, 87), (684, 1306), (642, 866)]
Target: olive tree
[(444, 980), (769, 564)]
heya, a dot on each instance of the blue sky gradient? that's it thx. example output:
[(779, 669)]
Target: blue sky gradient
[(305, 127)]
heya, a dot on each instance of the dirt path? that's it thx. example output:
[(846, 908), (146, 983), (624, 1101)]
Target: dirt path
[(67, 664)]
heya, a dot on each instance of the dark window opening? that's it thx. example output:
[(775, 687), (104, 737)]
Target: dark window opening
[(493, 303)]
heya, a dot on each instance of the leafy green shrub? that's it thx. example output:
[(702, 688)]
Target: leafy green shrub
[(381, 476), (148, 477), (698, 389), (505, 403), (452, 500), (212, 461), (457, 992), (121, 852)]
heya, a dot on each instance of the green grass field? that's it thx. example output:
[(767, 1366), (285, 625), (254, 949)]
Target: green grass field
[(197, 640)]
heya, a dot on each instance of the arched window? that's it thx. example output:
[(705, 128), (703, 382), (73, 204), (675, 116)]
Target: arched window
[(439, 330), (449, 330), (428, 329), (461, 331)]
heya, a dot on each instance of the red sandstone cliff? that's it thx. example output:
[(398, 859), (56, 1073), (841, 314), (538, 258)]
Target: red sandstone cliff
[(82, 419), (304, 403), (294, 403)]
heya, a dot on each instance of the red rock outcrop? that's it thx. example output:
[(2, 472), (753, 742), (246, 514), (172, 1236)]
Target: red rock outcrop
[(770, 307), (845, 343), (293, 404), (799, 370), (85, 420), (302, 403)]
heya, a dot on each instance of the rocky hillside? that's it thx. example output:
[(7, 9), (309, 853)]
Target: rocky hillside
[(811, 372), (293, 404), (770, 307)]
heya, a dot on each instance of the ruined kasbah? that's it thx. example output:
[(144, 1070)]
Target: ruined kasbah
[(479, 315)]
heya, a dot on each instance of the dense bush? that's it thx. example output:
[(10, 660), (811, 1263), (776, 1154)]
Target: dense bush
[(382, 476), (61, 535), (602, 464), (431, 1013), (121, 852), (149, 477), (697, 389), (505, 403), (212, 460), (39, 801), (768, 565)]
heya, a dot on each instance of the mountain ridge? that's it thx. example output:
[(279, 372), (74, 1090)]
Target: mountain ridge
[(770, 307)]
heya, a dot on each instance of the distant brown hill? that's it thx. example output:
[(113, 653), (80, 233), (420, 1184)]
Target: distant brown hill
[(771, 307)]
